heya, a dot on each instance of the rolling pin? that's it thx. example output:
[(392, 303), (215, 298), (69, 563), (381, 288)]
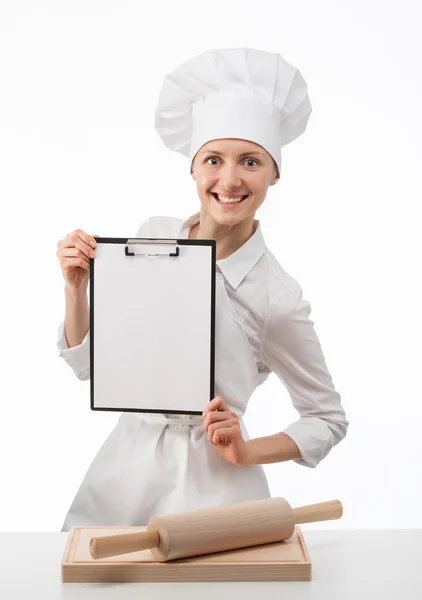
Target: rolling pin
[(216, 529)]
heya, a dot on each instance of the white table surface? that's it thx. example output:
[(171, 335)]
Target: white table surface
[(356, 564)]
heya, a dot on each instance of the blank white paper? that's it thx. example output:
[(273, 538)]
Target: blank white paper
[(152, 328)]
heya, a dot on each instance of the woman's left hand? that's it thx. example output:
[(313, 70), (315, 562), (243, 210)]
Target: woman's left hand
[(224, 432)]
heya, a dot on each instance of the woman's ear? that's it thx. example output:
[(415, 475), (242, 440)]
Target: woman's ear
[(276, 175), (275, 179)]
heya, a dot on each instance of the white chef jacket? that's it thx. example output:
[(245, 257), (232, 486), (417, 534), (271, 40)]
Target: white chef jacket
[(262, 326)]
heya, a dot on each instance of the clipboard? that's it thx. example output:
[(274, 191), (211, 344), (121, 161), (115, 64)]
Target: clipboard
[(152, 325)]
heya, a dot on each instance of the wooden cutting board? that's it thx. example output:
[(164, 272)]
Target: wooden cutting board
[(277, 561)]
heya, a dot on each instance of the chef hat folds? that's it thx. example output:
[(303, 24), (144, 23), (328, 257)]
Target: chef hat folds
[(232, 93)]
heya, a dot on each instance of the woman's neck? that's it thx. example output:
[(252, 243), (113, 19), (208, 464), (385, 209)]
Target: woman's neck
[(229, 238)]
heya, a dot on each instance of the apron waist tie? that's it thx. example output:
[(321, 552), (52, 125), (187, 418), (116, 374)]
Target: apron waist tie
[(187, 420)]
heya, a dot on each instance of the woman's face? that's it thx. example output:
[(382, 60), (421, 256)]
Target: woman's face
[(233, 168)]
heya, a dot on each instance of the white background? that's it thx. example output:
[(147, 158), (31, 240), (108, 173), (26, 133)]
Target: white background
[(79, 81)]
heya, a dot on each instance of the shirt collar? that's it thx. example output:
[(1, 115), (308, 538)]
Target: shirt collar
[(236, 266)]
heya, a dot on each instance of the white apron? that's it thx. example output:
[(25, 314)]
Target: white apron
[(157, 464)]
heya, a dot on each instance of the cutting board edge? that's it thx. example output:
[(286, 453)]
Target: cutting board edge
[(185, 573)]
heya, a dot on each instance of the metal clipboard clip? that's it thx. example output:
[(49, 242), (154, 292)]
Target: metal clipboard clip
[(138, 242)]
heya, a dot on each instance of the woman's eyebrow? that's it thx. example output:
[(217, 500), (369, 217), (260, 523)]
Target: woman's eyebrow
[(242, 154)]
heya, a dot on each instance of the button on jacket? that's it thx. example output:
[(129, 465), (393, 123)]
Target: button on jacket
[(162, 463)]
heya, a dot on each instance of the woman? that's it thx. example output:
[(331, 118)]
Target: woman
[(230, 111)]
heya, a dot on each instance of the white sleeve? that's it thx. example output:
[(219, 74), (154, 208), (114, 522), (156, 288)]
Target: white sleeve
[(78, 357), (291, 349)]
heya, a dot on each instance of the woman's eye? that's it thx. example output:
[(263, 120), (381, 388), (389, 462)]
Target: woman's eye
[(249, 160)]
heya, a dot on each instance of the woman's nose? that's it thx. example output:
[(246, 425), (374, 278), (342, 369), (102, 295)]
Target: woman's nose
[(230, 179)]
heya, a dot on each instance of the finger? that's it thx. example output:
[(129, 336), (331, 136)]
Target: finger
[(227, 424), (81, 240), (75, 262), (71, 251), (79, 233), (216, 403), (226, 432), (215, 416)]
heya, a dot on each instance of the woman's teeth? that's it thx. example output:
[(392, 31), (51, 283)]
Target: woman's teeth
[(227, 200)]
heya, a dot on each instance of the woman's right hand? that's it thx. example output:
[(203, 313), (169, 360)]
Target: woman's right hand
[(74, 253)]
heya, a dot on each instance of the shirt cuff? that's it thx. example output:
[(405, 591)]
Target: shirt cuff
[(77, 357), (313, 438)]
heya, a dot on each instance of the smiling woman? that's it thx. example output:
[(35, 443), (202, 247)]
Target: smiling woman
[(232, 178), (230, 111)]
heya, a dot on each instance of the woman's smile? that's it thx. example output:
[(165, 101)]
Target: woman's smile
[(228, 201)]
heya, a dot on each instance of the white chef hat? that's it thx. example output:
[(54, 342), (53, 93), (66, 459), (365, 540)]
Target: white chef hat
[(232, 93)]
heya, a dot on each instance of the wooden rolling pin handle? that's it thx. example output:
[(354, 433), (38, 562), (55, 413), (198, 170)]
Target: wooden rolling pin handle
[(122, 543), (323, 511)]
